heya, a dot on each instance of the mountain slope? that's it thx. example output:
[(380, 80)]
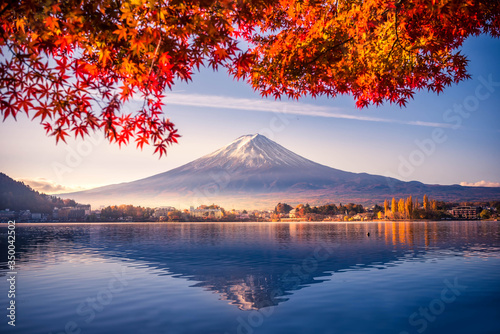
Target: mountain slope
[(251, 151), (254, 171), (15, 196)]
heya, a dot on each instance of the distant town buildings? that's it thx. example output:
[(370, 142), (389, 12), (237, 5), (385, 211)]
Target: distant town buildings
[(366, 216), (204, 211), (329, 212), (70, 213), (163, 211), (466, 212), (22, 215), (7, 214)]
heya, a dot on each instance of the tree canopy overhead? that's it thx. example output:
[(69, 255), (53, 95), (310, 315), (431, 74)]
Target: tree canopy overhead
[(73, 65)]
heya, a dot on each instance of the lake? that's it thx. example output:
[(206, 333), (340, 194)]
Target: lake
[(388, 277)]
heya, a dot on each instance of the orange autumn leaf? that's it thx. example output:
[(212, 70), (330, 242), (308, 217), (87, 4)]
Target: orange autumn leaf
[(74, 64)]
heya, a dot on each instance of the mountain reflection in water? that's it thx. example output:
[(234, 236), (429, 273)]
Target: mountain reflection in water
[(255, 265)]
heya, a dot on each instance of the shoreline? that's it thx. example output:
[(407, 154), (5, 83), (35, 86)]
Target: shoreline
[(261, 222)]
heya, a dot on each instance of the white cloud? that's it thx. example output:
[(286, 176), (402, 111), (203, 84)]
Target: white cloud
[(293, 108), (480, 184), (48, 186)]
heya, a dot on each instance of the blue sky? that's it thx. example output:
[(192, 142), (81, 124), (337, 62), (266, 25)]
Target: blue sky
[(421, 142)]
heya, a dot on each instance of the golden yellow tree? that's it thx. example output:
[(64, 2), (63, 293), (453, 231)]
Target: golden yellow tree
[(434, 205), (401, 208), (426, 203), (409, 207)]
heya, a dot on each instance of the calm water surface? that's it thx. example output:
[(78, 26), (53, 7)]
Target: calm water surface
[(405, 277)]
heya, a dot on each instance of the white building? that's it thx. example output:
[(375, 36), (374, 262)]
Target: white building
[(163, 211), (201, 213)]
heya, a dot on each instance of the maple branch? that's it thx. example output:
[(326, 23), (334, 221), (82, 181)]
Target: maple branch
[(330, 48), (282, 57), (154, 58), (398, 5), (8, 4), (22, 59)]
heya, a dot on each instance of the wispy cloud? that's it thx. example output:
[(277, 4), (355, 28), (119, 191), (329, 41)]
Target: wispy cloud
[(480, 184), (293, 108), (48, 186)]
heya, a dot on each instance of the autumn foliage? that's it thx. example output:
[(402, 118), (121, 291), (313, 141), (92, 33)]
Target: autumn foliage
[(375, 50), (76, 65)]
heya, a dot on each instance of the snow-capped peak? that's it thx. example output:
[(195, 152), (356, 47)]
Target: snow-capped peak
[(252, 151)]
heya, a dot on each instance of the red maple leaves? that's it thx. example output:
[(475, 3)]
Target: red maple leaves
[(75, 65), (376, 50)]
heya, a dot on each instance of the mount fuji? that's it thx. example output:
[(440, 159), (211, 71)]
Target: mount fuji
[(256, 172)]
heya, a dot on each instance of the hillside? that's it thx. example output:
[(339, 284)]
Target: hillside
[(15, 196)]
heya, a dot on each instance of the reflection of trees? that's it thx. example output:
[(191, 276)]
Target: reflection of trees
[(255, 265)]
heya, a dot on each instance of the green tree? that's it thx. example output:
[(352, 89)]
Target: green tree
[(282, 208), (485, 214)]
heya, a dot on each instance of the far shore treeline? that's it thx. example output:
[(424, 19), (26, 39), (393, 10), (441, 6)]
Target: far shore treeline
[(18, 201)]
